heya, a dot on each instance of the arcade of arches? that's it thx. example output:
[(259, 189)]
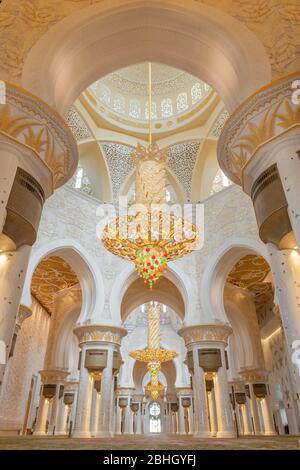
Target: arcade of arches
[(74, 105)]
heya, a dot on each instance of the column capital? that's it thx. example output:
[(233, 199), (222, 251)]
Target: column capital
[(95, 333), (238, 383), (184, 391), (171, 397), (261, 119), (138, 398), (252, 375), (31, 122), (124, 392), (71, 386), (205, 334), (23, 313), (54, 375)]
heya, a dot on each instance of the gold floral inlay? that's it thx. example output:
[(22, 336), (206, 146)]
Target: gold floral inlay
[(51, 276)]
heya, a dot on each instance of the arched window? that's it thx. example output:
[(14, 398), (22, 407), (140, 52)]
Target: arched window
[(153, 111), (182, 102), (81, 181), (196, 92), (167, 107), (119, 104), (104, 95), (220, 182), (155, 422), (135, 109)]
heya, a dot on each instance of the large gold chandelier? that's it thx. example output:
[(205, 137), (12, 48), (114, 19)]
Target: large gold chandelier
[(153, 355), (150, 234)]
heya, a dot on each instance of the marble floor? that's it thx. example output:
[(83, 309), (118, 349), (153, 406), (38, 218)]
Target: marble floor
[(149, 442)]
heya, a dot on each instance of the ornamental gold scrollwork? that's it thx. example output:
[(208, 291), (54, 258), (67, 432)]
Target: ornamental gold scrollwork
[(100, 333), (22, 18), (202, 333), (31, 122), (262, 118)]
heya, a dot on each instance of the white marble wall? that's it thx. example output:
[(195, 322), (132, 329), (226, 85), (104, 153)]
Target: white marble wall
[(27, 360)]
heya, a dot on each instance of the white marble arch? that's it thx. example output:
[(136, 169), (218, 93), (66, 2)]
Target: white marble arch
[(64, 351), (86, 269), (216, 271), (241, 352), (136, 340), (174, 274), (63, 61)]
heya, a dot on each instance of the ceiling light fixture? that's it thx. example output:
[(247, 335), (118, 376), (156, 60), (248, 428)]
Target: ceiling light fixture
[(150, 234), (153, 355)]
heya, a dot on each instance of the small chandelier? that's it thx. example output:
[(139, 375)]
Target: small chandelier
[(150, 235), (153, 355)]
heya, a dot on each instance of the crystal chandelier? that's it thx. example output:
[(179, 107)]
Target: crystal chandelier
[(153, 355), (150, 235)]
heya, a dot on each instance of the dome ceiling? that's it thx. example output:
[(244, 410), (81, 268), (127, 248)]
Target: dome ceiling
[(123, 96)]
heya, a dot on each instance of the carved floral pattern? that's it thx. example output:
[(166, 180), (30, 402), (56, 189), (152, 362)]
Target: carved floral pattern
[(31, 122), (22, 19), (195, 333), (100, 333), (51, 276), (263, 117)]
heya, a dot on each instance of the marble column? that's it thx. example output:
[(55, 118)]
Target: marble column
[(181, 423), (40, 428), (139, 400), (49, 401), (128, 418), (199, 389), (268, 170), (212, 413), (84, 398), (223, 405), (285, 266), (118, 429), (29, 173), (104, 420), (269, 427), (214, 337), (95, 407), (247, 425), (70, 400), (107, 339), (13, 268), (61, 428), (254, 411), (260, 410)]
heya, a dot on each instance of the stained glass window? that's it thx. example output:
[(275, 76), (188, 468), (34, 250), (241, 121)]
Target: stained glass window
[(167, 107), (153, 111), (119, 104), (81, 181), (196, 92), (104, 94), (135, 109), (220, 182), (182, 102)]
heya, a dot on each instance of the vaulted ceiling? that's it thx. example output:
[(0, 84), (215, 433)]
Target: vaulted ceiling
[(52, 276)]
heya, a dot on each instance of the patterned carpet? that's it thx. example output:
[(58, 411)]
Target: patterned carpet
[(149, 442)]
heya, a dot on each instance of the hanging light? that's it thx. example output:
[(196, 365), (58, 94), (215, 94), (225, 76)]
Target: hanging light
[(152, 236), (153, 355)]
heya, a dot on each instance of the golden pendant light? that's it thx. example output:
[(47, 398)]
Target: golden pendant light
[(153, 236)]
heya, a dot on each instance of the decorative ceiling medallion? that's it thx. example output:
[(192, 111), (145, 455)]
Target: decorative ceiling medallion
[(51, 276), (249, 273)]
